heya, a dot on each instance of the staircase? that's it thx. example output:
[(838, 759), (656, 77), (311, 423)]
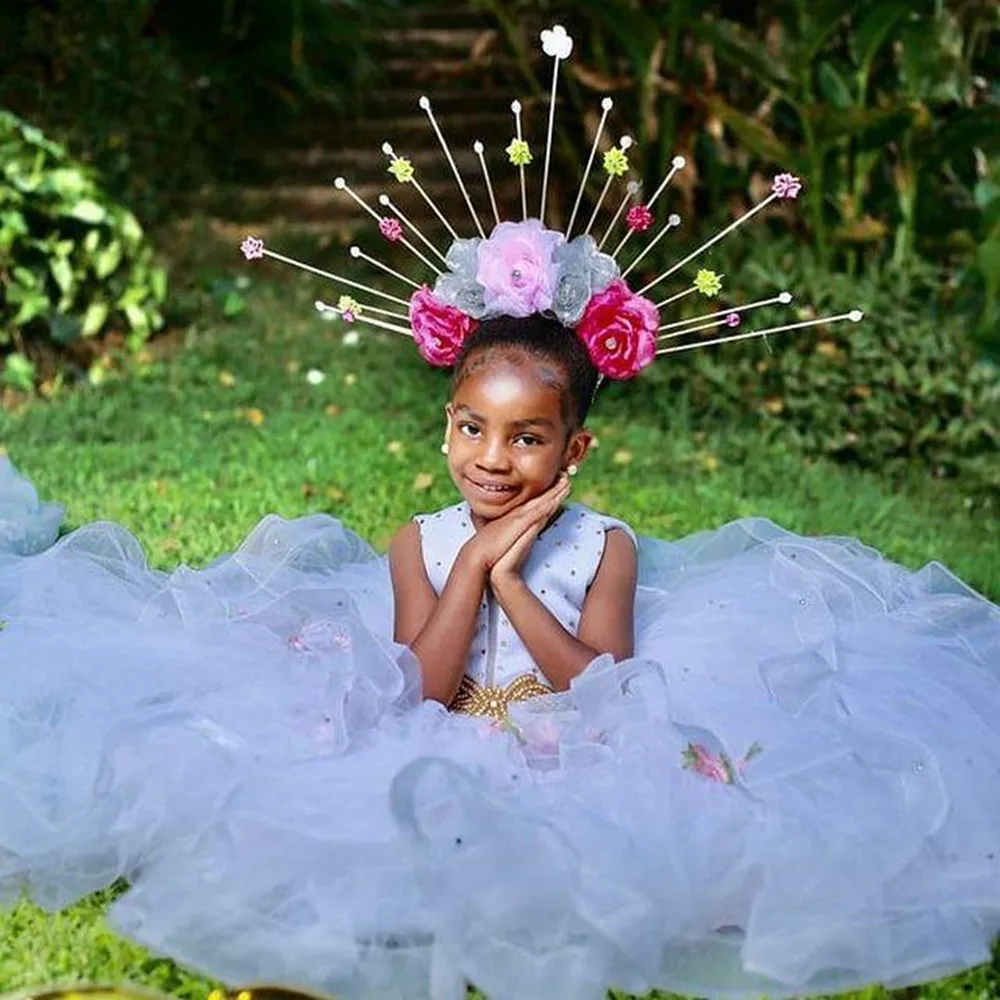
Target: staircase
[(454, 55)]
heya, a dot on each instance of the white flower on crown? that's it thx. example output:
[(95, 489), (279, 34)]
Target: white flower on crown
[(556, 42)]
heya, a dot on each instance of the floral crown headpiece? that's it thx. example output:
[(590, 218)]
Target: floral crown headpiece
[(523, 268)]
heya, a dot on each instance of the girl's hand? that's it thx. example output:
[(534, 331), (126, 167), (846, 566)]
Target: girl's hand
[(492, 542), (508, 565)]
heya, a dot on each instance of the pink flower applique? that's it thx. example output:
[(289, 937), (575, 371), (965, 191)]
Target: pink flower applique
[(391, 229), (252, 248), (318, 636), (439, 329), (639, 218), (516, 268), (619, 329), (786, 186), (716, 767)]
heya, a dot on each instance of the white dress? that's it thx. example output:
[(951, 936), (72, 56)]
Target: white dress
[(794, 786)]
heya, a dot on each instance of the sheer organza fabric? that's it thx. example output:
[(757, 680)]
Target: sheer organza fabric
[(247, 745)]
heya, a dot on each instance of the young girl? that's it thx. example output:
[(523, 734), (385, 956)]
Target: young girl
[(479, 620), (743, 763), (770, 768)]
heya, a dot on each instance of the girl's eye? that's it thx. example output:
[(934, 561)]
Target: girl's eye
[(529, 439), (470, 430)]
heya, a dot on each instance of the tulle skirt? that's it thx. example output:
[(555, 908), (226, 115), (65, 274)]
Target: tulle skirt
[(793, 787)]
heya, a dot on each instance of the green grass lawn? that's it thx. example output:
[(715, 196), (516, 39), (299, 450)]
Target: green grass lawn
[(193, 447)]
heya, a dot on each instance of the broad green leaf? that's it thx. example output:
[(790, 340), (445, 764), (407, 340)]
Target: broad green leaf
[(12, 226), (108, 259), (866, 125), (988, 262), (18, 372), (62, 271), (833, 86), (134, 295), (91, 241), (872, 30), (986, 192), (745, 53), (94, 318), (33, 305), (137, 318), (822, 20), (233, 305), (634, 29), (25, 277), (158, 282), (129, 229), (87, 210), (26, 183), (69, 182), (752, 133)]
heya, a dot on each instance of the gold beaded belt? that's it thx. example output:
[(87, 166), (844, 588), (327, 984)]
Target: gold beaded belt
[(474, 699)]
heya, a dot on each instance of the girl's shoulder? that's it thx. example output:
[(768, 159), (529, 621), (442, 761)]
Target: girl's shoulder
[(600, 520), (452, 512)]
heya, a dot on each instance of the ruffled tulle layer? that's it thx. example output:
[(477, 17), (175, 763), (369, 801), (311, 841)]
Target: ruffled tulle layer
[(794, 787)]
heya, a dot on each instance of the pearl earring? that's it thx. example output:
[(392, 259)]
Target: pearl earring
[(573, 469), (444, 448)]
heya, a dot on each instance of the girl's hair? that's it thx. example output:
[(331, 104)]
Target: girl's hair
[(543, 338)]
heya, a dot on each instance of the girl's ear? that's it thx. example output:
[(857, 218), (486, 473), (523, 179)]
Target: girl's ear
[(449, 415), (577, 448)]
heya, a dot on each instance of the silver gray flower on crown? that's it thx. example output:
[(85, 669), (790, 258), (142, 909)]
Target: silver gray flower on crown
[(458, 286), (581, 272)]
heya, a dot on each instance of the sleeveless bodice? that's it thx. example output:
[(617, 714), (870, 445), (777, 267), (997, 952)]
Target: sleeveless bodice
[(558, 570)]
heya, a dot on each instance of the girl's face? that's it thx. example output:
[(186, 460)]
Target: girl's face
[(507, 437)]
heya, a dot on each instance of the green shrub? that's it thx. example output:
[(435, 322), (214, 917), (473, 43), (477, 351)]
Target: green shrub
[(903, 386), (164, 96), (73, 263)]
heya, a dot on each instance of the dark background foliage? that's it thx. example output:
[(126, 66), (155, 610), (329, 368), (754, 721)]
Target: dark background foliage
[(890, 109)]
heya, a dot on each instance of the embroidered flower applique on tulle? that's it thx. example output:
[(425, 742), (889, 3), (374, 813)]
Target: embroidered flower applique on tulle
[(717, 766), (319, 636)]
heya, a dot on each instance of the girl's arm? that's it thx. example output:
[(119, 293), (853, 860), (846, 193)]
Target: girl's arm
[(438, 629), (606, 624)]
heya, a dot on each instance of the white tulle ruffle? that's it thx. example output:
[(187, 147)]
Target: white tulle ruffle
[(794, 786)]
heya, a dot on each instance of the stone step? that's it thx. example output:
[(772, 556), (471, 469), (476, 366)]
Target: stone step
[(449, 97), (415, 131), (499, 67), (309, 202), (428, 41), (412, 136), (449, 16), (320, 164), (324, 209)]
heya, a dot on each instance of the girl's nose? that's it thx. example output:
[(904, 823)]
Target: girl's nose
[(493, 454)]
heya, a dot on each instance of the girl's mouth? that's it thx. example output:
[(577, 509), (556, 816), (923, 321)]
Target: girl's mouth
[(492, 492)]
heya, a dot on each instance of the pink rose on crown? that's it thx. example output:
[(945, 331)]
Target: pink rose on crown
[(439, 330), (516, 268), (619, 329)]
